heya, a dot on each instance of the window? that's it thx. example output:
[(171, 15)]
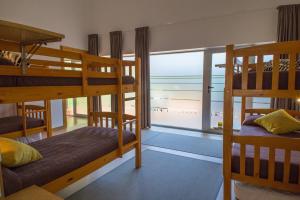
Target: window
[(176, 89)]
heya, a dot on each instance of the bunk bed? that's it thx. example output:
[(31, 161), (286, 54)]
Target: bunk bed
[(30, 119), (45, 75), (253, 155)]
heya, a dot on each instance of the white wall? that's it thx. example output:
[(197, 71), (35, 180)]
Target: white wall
[(186, 24), (64, 16)]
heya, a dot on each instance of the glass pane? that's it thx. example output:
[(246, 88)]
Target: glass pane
[(176, 89), (106, 103), (217, 91), (81, 106), (217, 95), (70, 106)]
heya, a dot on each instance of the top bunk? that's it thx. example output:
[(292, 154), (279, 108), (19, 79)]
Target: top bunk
[(26, 35), (29, 71), (269, 70)]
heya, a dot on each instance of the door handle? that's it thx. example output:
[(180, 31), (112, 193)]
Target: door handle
[(209, 88)]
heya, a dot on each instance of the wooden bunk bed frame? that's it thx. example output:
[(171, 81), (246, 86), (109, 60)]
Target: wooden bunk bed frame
[(90, 67), (32, 111), (292, 49)]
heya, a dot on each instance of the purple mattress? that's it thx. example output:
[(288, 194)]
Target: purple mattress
[(15, 123), (267, 80), (63, 154), (23, 81), (250, 130)]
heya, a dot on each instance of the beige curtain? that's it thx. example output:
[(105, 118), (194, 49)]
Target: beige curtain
[(93, 49), (142, 51), (288, 29), (116, 46)]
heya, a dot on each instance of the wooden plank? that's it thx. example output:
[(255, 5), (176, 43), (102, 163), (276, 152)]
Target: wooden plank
[(242, 159), (120, 106), (259, 72), (269, 49), (294, 113), (264, 141), (33, 193), (256, 161), (138, 105), (54, 63), (267, 93), (292, 71), (23, 34), (92, 74), (275, 72), (245, 73), (228, 121), (287, 165), (271, 165)]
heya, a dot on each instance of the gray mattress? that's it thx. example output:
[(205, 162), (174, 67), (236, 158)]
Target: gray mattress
[(28, 81), (63, 154), (252, 130), (14, 123)]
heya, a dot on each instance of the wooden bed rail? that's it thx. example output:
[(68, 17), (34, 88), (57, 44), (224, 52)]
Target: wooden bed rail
[(272, 143), (247, 58), (264, 111), (109, 119), (35, 112), (253, 58)]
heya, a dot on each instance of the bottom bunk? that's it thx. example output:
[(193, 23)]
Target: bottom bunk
[(265, 159), (67, 158)]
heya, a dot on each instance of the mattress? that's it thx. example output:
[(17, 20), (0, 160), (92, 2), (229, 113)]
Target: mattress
[(23, 81), (63, 154), (244, 191), (15, 123), (267, 80), (250, 130)]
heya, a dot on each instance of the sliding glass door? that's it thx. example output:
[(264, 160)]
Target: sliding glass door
[(176, 89)]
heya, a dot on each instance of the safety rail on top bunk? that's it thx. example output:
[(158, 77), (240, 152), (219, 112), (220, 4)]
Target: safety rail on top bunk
[(87, 66), (279, 50), (288, 145)]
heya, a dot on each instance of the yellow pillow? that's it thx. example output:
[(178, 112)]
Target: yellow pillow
[(278, 122), (15, 153)]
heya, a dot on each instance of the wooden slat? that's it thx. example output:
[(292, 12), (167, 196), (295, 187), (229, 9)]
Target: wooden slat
[(137, 89), (242, 159), (228, 121), (292, 71), (275, 72), (256, 161), (245, 73), (294, 113), (54, 63), (259, 72), (265, 141), (269, 49), (267, 93), (92, 74), (271, 165), (287, 165)]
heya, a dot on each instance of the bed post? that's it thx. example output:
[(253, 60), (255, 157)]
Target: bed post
[(228, 109), (120, 106), (90, 110), (24, 119), (48, 118), (243, 109), (2, 195), (138, 148)]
